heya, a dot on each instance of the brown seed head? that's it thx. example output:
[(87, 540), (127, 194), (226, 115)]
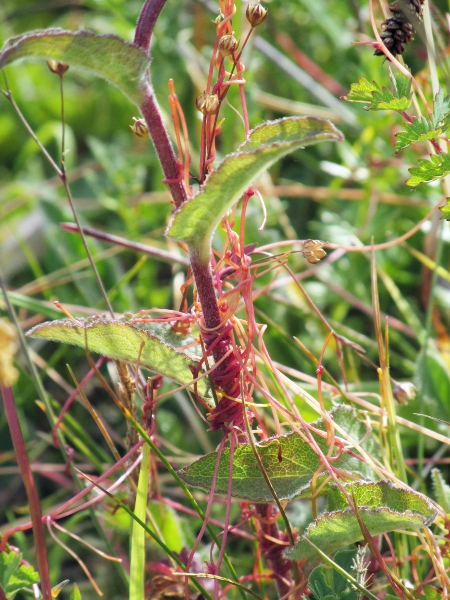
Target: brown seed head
[(313, 251), (227, 45), (255, 13), (208, 104), (57, 67), (139, 128)]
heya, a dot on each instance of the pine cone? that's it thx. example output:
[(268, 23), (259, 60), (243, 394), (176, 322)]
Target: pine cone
[(398, 30)]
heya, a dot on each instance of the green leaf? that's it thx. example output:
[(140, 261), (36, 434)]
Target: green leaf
[(420, 130), (326, 582), (14, 576), (382, 508), (107, 56), (446, 211), (121, 339), (75, 595), (319, 585), (428, 170), (441, 490), (195, 222), (382, 98), (290, 462)]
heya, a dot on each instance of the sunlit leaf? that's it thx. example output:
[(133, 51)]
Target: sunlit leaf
[(195, 222), (382, 98), (107, 56), (382, 508), (428, 170), (162, 351), (289, 460)]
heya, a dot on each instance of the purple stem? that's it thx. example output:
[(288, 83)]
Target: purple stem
[(150, 110), (30, 488)]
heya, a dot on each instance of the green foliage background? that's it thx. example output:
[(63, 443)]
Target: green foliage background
[(352, 192)]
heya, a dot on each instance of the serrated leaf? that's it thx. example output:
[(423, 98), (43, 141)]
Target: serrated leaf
[(290, 463), (121, 339), (428, 170), (419, 130), (108, 56), (14, 576), (381, 98), (195, 222), (382, 507)]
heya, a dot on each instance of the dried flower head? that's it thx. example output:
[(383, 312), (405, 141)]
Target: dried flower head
[(57, 67), (208, 104), (255, 13), (313, 251), (139, 128), (8, 348), (227, 45)]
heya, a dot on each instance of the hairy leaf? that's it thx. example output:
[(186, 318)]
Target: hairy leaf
[(382, 507), (428, 170), (162, 348), (289, 460), (195, 222), (107, 56)]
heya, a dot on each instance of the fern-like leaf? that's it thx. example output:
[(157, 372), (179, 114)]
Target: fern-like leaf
[(382, 98), (428, 170), (420, 130)]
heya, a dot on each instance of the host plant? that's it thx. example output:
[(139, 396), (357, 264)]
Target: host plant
[(283, 493)]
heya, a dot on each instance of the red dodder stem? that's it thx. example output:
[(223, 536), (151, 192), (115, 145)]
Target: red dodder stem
[(30, 488), (273, 552)]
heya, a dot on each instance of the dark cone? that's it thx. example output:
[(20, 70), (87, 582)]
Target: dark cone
[(399, 29)]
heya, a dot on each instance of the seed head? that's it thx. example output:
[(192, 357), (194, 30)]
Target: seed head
[(208, 104), (313, 251), (256, 14), (139, 128), (227, 45), (57, 67)]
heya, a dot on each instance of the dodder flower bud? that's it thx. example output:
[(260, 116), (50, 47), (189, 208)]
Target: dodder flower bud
[(227, 45), (139, 128), (57, 67), (255, 13), (208, 104), (404, 391), (313, 251)]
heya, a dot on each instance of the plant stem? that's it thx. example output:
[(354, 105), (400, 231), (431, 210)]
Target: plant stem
[(30, 488)]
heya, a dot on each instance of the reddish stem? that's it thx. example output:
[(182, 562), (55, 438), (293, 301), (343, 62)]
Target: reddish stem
[(30, 488)]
